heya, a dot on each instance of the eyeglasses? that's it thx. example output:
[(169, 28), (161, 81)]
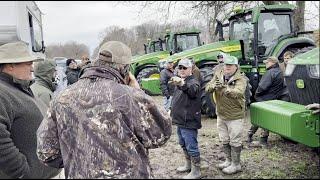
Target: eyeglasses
[(182, 67)]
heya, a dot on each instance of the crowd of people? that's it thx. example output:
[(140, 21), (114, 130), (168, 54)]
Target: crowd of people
[(102, 124)]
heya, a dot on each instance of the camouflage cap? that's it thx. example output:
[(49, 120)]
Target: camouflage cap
[(186, 62), (271, 59), (16, 52), (230, 60), (116, 52)]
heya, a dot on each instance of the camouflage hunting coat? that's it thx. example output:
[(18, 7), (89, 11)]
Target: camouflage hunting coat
[(100, 128)]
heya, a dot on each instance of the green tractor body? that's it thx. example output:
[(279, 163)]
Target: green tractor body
[(291, 119), (146, 67), (254, 35)]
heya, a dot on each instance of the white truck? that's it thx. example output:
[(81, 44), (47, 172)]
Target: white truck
[(22, 21)]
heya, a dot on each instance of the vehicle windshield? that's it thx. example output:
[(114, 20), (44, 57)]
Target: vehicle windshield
[(242, 29), (187, 41), (271, 27)]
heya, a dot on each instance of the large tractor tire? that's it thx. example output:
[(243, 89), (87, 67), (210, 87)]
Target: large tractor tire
[(207, 105), (149, 72)]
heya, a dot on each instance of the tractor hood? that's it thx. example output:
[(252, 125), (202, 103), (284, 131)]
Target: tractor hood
[(209, 51), (310, 57), (146, 57)]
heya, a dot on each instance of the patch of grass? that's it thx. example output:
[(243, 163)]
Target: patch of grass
[(274, 155)]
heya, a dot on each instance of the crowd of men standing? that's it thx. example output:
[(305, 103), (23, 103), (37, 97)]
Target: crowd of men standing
[(102, 124)]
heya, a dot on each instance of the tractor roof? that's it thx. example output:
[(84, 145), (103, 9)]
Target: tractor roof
[(256, 10)]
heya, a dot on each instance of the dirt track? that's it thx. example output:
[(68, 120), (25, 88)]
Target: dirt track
[(281, 159)]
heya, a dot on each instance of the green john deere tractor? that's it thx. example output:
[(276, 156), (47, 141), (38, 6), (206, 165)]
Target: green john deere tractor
[(292, 120), (254, 35), (145, 68)]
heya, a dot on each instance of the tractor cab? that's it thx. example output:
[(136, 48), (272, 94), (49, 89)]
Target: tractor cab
[(181, 41), (154, 46), (263, 32), (261, 29)]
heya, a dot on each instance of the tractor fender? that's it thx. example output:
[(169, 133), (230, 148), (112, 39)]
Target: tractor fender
[(144, 66), (286, 43)]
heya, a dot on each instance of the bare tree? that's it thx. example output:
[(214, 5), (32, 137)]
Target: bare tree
[(71, 49)]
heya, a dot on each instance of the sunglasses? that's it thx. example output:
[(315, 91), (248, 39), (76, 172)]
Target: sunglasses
[(182, 67)]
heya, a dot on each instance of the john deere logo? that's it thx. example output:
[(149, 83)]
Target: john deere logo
[(300, 83)]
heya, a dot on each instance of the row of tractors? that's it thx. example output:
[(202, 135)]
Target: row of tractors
[(253, 35)]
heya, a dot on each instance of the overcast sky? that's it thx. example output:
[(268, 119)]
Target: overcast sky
[(82, 21)]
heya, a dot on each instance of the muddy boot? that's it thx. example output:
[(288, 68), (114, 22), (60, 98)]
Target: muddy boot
[(235, 164), (195, 169), (187, 165), (227, 152), (249, 140), (264, 141)]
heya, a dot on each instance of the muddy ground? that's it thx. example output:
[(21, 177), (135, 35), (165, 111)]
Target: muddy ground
[(281, 159)]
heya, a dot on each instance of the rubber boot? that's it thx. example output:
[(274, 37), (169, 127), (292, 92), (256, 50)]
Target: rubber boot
[(195, 168), (264, 141), (227, 152), (235, 163), (249, 140), (187, 165)]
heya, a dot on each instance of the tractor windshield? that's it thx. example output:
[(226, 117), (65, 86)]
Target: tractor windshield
[(270, 28), (242, 29), (187, 41)]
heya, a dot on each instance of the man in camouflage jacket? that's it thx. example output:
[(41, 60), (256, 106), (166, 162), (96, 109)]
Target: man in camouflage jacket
[(100, 127)]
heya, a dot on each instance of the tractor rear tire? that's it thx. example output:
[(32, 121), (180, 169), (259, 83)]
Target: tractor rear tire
[(146, 73), (207, 105)]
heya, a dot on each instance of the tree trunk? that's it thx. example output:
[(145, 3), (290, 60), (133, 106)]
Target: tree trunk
[(299, 15)]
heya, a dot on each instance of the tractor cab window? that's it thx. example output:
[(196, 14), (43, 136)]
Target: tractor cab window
[(187, 41), (271, 27), (36, 33), (242, 29)]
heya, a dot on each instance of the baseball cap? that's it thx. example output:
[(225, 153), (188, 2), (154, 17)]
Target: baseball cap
[(185, 62)]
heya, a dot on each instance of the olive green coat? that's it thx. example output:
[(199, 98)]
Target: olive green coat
[(229, 100)]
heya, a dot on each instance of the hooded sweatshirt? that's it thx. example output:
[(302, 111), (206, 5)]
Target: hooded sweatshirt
[(43, 87)]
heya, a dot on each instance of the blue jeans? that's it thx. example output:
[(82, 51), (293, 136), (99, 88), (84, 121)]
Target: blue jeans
[(188, 140), (167, 103)]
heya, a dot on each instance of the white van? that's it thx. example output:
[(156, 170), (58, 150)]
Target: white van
[(21, 21)]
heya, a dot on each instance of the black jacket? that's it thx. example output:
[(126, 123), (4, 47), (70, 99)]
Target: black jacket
[(186, 104), (72, 75), (167, 89), (271, 85), (20, 117)]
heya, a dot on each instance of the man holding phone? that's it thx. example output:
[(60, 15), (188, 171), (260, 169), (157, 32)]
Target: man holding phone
[(103, 125)]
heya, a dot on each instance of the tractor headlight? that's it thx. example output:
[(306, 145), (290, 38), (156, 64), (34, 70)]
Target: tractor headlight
[(289, 69), (314, 71)]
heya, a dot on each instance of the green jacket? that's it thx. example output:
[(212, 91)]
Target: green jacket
[(229, 100), (43, 87)]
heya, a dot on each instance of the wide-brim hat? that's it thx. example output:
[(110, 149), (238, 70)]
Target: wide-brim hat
[(16, 52)]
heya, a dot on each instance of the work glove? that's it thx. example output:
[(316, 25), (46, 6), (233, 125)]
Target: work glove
[(210, 88), (218, 84), (177, 81), (315, 107)]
